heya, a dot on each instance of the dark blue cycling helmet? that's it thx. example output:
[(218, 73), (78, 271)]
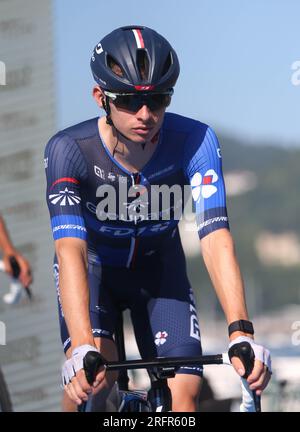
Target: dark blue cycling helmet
[(134, 58)]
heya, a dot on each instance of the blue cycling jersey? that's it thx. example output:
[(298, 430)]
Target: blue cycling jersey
[(84, 182)]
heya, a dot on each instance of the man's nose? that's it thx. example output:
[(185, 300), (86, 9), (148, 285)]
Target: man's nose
[(144, 113)]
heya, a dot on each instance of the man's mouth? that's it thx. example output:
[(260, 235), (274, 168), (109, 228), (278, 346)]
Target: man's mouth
[(142, 130)]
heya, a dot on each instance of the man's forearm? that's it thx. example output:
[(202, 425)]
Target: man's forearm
[(74, 293), (5, 243), (221, 262)]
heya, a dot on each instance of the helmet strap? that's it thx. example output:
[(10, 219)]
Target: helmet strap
[(106, 107)]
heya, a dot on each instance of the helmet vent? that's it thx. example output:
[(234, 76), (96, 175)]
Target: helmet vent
[(131, 27), (168, 64), (114, 66), (143, 64)]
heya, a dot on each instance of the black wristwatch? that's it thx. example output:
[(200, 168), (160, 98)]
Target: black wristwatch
[(241, 325)]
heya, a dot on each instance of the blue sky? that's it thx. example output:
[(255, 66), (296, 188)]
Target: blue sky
[(235, 56)]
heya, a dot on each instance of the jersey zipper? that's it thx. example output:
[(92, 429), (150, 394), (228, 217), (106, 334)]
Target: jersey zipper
[(135, 178)]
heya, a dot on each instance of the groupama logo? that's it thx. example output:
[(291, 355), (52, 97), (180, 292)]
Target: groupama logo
[(203, 186), (65, 197)]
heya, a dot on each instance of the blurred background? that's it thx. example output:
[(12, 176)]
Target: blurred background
[(240, 73)]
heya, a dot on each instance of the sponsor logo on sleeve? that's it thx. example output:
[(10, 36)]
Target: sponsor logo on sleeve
[(203, 186), (64, 198)]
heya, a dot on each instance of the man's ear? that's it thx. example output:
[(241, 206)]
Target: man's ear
[(99, 96)]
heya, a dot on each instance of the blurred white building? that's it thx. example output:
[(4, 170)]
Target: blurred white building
[(281, 249), (31, 358), (239, 182)]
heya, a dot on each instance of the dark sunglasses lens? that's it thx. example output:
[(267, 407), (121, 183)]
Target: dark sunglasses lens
[(123, 102), (158, 101), (135, 102)]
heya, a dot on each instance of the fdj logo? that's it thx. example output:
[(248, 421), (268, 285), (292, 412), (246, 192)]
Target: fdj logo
[(2, 333), (2, 73)]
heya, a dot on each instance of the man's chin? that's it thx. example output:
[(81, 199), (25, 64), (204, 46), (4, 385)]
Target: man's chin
[(141, 139)]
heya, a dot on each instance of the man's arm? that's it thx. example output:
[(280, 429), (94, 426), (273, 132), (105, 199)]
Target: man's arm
[(8, 250), (74, 291), (221, 262), (5, 242), (202, 165), (66, 169), (74, 295)]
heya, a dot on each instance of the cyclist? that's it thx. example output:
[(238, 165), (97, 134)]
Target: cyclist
[(9, 251), (114, 252)]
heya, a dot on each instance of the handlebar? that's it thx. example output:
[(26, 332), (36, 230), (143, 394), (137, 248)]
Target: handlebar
[(93, 361)]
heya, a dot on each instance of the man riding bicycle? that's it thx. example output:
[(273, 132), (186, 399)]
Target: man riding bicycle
[(114, 248)]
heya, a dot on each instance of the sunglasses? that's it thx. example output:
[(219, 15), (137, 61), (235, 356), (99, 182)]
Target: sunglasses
[(135, 101)]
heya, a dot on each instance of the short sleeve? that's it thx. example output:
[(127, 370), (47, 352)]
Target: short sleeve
[(65, 170), (202, 166)]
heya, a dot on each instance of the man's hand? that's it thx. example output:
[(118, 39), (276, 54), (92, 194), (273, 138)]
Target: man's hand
[(74, 378), (25, 276), (261, 373)]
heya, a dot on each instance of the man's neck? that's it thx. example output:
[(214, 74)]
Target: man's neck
[(118, 144)]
